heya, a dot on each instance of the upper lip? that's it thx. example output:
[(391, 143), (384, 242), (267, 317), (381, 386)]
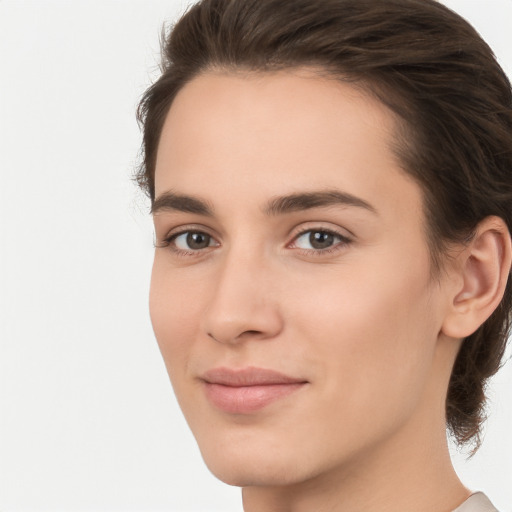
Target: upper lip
[(250, 376)]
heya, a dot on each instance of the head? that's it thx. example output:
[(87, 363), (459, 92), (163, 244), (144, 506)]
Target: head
[(408, 102)]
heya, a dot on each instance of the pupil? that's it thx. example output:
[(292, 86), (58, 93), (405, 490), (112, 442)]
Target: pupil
[(321, 239), (198, 240)]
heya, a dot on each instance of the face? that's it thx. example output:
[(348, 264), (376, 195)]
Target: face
[(291, 294)]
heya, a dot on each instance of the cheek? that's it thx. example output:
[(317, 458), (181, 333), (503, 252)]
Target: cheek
[(372, 333), (174, 316)]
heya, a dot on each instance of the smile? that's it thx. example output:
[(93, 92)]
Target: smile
[(248, 390)]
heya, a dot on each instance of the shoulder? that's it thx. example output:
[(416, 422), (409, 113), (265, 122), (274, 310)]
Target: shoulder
[(477, 502)]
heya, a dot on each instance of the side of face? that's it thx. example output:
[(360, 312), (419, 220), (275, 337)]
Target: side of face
[(335, 294)]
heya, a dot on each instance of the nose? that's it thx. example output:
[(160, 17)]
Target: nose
[(242, 304)]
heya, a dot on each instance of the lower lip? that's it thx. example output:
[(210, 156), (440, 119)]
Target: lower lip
[(247, 399)]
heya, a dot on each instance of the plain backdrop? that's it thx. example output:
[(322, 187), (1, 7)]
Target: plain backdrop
[(88, 421)]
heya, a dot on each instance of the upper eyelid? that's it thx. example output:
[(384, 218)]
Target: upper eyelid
[(186, 228), (306, 227), (168, 236), (343, 238), (319, 229), (295, 232)]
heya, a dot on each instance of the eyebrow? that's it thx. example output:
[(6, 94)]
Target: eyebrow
[(170, 201), (316, 199), (276, 206)]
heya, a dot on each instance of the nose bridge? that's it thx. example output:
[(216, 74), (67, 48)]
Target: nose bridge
[(242, 303)]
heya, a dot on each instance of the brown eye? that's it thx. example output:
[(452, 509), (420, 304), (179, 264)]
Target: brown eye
[(192, 241), (319, 240)]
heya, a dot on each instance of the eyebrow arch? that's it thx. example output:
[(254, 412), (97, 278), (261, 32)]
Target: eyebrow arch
[(307, 200), (181, 203), (276, 206)]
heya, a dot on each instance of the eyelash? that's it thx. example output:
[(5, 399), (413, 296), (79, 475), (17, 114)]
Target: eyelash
[(168, 242), (343, 241)]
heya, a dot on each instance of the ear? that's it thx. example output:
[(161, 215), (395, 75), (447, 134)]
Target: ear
[(483, 269)]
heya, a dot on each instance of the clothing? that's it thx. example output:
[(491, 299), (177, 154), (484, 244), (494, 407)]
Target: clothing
[(477, 502)]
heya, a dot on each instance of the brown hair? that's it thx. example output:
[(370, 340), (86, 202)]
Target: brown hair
[(431, 68)]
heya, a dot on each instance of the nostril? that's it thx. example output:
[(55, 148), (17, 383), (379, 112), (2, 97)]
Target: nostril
[(245, 334), (250, 333)]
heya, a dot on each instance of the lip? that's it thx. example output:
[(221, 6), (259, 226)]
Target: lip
[(247, 390)]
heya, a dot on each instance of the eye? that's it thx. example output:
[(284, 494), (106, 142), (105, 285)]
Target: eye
[(319, 240), (192, 241)]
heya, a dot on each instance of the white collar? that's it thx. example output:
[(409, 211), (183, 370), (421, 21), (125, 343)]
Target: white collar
[(477, 502)]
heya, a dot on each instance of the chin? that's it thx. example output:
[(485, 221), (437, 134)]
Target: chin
[(258, 463), (259, 472), (243, 465)]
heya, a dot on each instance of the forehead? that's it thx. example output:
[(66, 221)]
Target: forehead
[(273, 133)]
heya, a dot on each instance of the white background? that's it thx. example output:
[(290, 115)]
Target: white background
[(87, 417)]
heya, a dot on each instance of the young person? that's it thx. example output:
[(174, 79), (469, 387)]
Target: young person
[(331, 187)]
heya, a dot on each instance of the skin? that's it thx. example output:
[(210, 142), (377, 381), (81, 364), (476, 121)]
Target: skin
[(360, 320)]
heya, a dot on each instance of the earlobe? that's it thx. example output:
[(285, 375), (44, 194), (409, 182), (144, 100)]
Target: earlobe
[(485, 268)]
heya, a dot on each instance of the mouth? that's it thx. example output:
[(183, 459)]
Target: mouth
[(247, 390)]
